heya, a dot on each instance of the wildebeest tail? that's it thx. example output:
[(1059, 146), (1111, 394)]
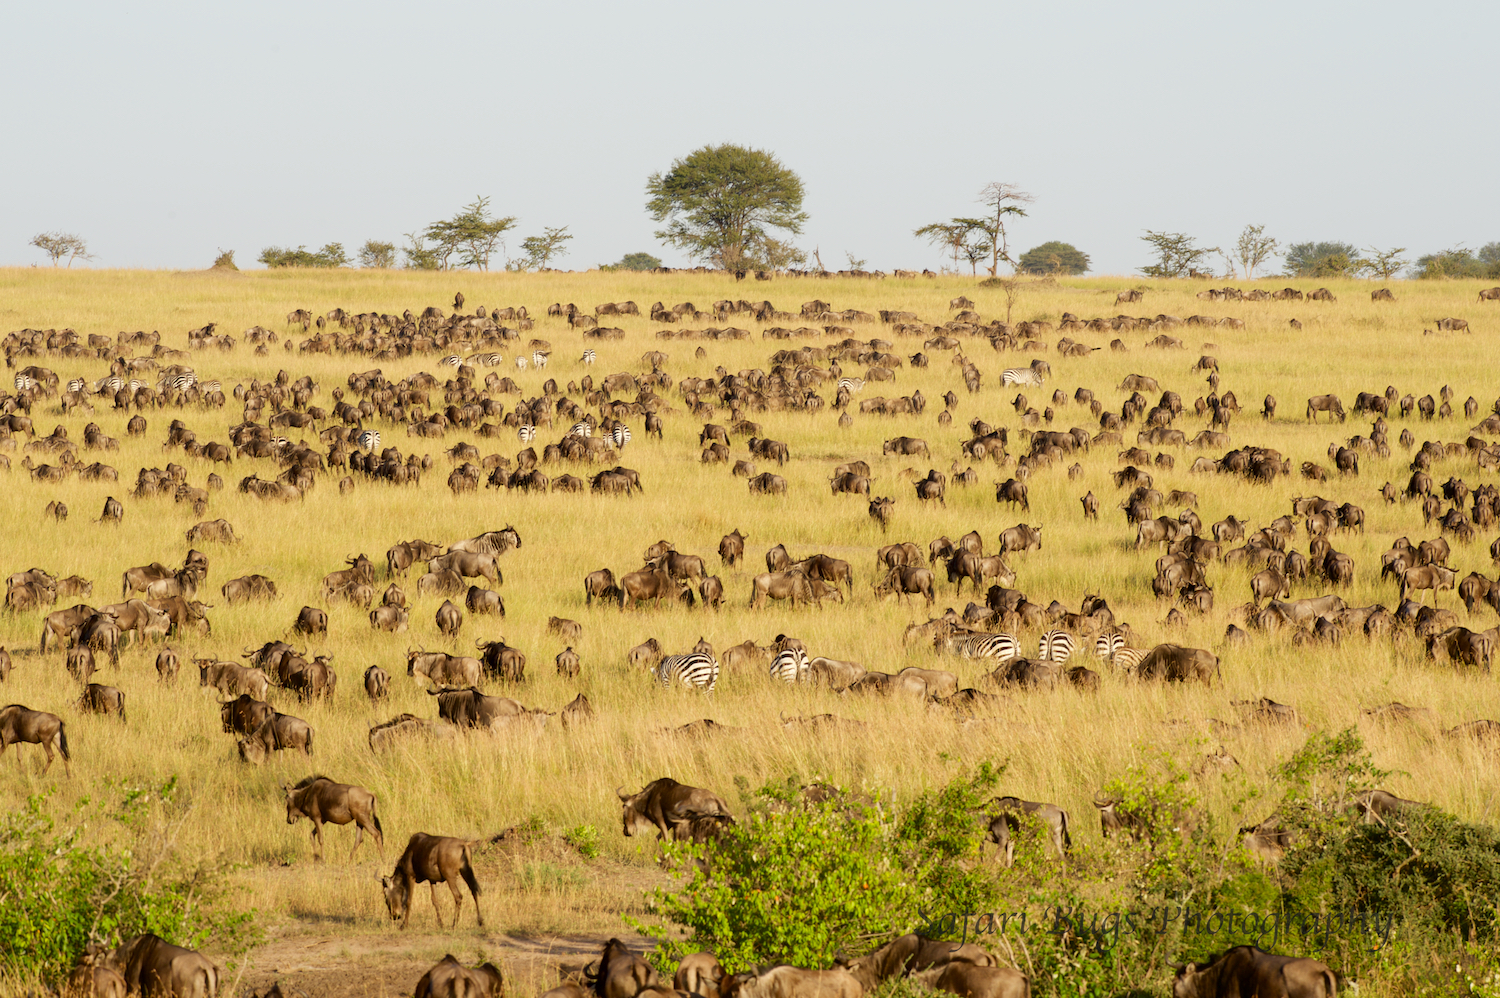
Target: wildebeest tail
[(376, 819), (62, 741), (469, 878), (1330, 985), (1067, 839)]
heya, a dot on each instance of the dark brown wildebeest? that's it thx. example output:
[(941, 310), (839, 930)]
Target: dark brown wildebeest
[(484, 602), (880, 510), (732, 548), (1021, 537), (1431, 576), (81, 663), (664, 803), (906, 580), (135, 580), (435, 859), (567, 663), (653, 584), (768, 484), (646, 654), (599, 584), (621, 974), (248, 587), (1461, 645), (1325, 403), (64, 625), (219, 531), (389, 618), (501, 661), (469, 565), (769, 450), (280, 731), (1176, 664), (319, 799), (22, 724), (98, 699), (1246, 970), (711, 590), (360, 572), (244, 714), (311, 620), (377, 683), (151, 966), (472, 709), (167, 664), (906, 446), (449, 619), (1269, 584), (1014, 492), (1090, 506), (793, 585), (450, 979)]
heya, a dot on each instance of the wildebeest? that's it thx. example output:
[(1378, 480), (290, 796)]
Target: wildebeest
[(449, 619), (377, 683), (1021, 537), (22, 724), (1013, 492), (1325, 403), (98, 699), (1002, 812), (279, 731), (1176, 664), (664, 803), (434, 859), (794, 982), (404, 726), (567, 663), (441, 669), (244, 714), (469, 708), (793, 584), (389, 618), (450, 979), (619, 973), (971, 981), (653, 584), (311, 620), (248, 587), (906, 446), (501, 661), (151, 966), (219, 531), (1245, 970), (319, 799), (699, 974), (732, 548)]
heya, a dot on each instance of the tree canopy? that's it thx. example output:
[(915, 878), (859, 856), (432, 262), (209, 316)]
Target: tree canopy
[(1054, 258), (1177, 254), (331, 255), (1326, 259), (378, 255), (1461, 262), (62, 244), (634, 261), (541, 249), (470, 235), (720, 201)]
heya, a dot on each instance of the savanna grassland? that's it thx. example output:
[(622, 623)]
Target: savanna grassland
[(1061, 746)]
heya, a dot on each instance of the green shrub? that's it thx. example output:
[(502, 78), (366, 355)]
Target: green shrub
[(331, 255), (585, 839)]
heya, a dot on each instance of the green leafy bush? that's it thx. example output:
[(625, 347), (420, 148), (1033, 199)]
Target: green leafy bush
[(331, 255), (585, 839)]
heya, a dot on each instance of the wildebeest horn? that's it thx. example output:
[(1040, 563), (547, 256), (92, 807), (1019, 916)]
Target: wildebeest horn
[(620, 795), (1102, 801)]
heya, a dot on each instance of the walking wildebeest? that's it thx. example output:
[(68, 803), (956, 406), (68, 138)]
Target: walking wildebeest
[(664, 803), (434, 859), (311, 620), (22, 724), (319, 799), (280, 731), (377, 683)]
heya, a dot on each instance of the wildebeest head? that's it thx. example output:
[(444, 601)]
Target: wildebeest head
[(632, 818), (397, 896)]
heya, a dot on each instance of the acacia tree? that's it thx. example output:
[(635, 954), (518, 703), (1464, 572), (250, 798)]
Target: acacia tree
[(720, 201), (472, 234), (378, 255), (1176, 254), (952, 235), (540, 249), (1385, 263), (62, 244), (1002, 199), (1254, 248)]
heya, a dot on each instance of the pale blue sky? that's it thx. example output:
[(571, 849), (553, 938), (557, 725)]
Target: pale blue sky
[(161, 132)]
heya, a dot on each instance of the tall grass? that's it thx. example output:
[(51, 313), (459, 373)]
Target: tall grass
[(1061, 746)]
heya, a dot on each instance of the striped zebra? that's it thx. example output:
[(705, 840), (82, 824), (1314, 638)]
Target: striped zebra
[(621, 435), (1128, 659), (520, 363), (25, 382), (77, 385), (539, 359), (1020, 376), (178, 382), (207, 387), (489, 359), (452, 360), (694, 670), (790, 666), (589, 356), (583, 429), (526, 433), (1001, 647), (1105, 645), (368, 440), (113, 383), (851, 384), (1056, 646), (136, 384)]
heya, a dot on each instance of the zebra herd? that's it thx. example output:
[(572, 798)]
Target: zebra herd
[(1053, 646)]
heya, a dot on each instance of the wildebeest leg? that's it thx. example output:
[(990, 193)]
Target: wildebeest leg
[(439, 911), (317, 837), (359, 834), (473, 882)]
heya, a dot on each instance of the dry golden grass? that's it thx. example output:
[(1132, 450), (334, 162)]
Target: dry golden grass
[(1061, 746)]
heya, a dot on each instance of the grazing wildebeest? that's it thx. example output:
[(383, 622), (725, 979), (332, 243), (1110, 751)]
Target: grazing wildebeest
[(319, 799), (653, 584), (1325, 403), (906, 580), (600, 583), (98, 699), (248, 587), (793, 982), (151, 966), (1020, 538), (22, 724), (1003, 822), (64, 625), (793, 585), (377, 683), (1245, 970), (442, 669), (567, 663), (971, 981), (1434, 577), (699, 974), (434, 859), (244, 714), (501, 661), (450, 979), (664, 803), (908, 953), (621, 974), (389, 618), (449, 619), (1176, 664), (732, 548), (311, 620), (280, 731), (81, 663)]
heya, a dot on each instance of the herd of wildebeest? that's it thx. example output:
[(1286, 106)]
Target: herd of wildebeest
[(159, 602)]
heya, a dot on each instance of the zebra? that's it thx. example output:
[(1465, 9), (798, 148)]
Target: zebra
[(851, 384), (113, 383), (583, 429), (520, 363), (452, 360), (1020, 376), (489, 359), (208, 387), (692, 670), (136, 384), (25, 382), (1105, 645), (790, 666), (1056, 646), (1002, 647), (589, 356), (179, 382), (526, 433), (368, 440), (539, 359), (621, 434), (1128, 659), (77, 385)]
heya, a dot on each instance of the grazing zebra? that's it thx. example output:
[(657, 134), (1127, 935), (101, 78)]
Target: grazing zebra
[(368, 440), (1105, 645), (113, 383), (851, 384), (621, 435), (692, 670), (588, 356), (452, 360), (208, 387), (1128, 659), (179, 382), (583, 429), (136, 384), (539, 359), (1021, 376), (489, 359), (526, 432), (77, 385), (520, 363), (790, 666), (25, 382), (1056, 646), (1002, 647)]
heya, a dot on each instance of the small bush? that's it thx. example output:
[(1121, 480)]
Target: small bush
[(331, 255), (224, 261), (584, 839)]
